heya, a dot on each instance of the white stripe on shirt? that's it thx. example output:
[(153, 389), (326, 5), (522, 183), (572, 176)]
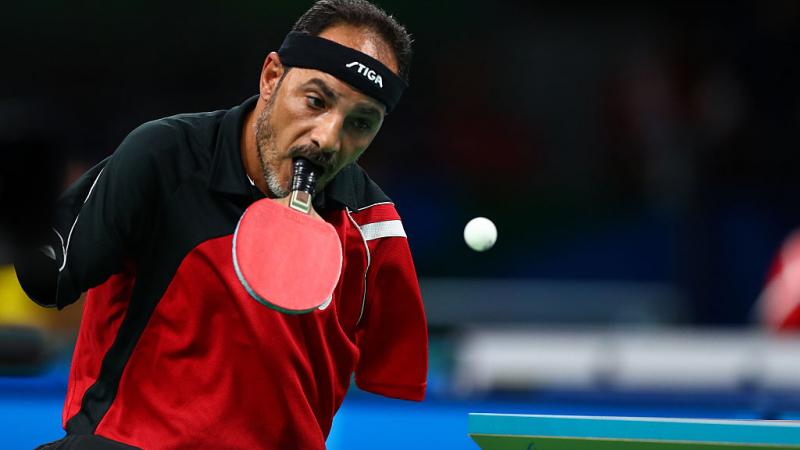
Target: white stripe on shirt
[(387, 228)]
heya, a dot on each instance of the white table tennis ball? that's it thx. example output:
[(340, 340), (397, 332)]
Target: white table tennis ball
[(480, 234)]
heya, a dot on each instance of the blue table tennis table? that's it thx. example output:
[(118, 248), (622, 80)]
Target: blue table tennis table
[(547, 432)]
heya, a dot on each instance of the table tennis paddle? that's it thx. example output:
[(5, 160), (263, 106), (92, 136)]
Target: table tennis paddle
[(285, 258)]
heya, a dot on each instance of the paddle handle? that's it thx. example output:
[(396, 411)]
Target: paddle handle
[(304, 181)]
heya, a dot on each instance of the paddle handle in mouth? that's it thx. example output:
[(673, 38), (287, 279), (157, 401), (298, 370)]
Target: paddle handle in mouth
[(304, 181)]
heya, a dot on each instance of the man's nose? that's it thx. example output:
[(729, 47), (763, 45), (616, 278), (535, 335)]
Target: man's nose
[(327, 134)]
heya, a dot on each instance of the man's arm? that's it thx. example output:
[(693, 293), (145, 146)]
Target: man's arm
[(100, 222), (392, 335)]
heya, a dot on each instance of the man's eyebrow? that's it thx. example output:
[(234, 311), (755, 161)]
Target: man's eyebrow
[(369, 110), (322, 86), (365, 109)]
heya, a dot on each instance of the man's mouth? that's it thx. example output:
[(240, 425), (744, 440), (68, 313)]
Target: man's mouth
[(322, 163), (315, 166)]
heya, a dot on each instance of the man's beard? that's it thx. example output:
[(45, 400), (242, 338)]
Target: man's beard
[(268, 156)]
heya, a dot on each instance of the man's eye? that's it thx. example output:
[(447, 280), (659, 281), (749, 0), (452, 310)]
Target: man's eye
[(315, 102), (362, 124)]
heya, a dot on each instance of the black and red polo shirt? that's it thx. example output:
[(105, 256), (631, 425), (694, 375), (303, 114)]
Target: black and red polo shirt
[(172, 352)]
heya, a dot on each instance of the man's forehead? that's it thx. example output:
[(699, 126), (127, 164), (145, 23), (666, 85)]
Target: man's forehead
[(364, 40), (354, 56)]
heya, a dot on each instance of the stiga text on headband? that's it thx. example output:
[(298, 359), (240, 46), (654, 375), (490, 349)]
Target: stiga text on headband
[(360, 71)]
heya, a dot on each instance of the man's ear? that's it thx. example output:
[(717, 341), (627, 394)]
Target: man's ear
[(271, 73)]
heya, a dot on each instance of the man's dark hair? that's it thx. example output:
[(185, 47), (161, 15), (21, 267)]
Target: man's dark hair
[(327, 13)]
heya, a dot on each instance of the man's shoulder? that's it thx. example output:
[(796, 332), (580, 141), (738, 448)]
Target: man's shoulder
[(194, 122), (181, 141), (370, 208), (353, 188), (181, 129)]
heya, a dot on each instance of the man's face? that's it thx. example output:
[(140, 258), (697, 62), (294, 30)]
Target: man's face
[(315, 115)]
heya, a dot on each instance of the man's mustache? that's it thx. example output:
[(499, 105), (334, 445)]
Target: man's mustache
[(324, 160)]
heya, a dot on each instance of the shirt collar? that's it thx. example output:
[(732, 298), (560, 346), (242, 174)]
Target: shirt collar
[(228, 175), (227, 171)]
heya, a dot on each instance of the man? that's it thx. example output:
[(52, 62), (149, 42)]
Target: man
[(778, 306), (172, 352)]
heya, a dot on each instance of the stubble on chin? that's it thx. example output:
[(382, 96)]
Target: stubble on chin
[(268, 153)]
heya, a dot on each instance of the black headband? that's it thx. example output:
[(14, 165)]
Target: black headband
[(361, 71)]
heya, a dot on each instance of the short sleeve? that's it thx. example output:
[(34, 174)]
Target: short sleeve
[(393, 335), (101, 221)]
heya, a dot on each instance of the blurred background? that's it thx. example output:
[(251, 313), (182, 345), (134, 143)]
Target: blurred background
[(640, 161)]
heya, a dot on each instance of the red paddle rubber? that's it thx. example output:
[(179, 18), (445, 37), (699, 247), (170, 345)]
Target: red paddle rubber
[(286, 260)]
